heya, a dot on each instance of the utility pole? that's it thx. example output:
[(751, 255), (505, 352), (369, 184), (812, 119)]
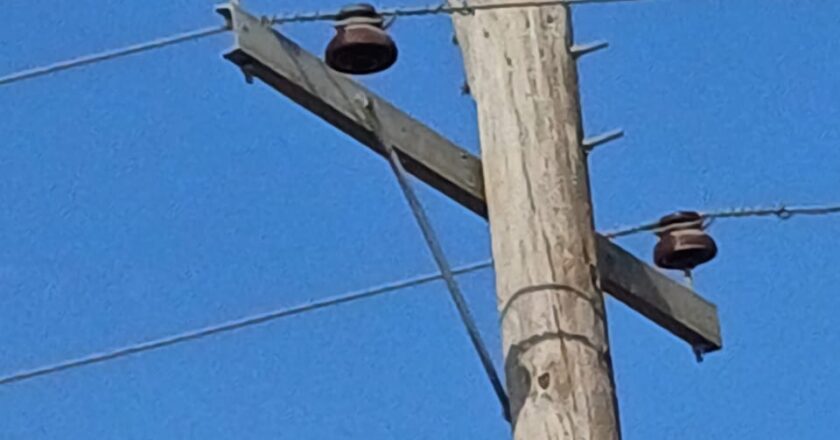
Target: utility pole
[(532, 181), (523, 77)]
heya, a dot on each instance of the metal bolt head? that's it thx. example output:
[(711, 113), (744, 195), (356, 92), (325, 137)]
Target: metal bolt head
[(683, 244)]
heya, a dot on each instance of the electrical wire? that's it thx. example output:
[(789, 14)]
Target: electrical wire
[(441, 9), (782, 212), (304, 17), (99, 57), (249, 321)]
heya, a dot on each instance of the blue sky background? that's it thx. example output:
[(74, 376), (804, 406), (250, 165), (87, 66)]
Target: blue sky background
[(159, 193)]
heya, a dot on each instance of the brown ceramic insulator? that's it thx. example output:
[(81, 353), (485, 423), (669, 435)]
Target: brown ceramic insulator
[(360, 45), (683, 244)]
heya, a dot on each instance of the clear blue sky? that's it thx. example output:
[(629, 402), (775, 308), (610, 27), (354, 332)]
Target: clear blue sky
[(158, 193)]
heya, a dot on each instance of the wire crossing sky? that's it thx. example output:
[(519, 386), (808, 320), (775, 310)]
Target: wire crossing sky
[(305, 17), (229, 326), (143, 195), (782, 212)]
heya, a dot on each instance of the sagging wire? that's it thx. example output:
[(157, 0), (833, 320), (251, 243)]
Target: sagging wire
[(439, 9), (782, 212), (237, 324), (99, 57), (303, 17)]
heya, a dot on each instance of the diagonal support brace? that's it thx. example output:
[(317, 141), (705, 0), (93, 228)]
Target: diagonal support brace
[(305, 79)]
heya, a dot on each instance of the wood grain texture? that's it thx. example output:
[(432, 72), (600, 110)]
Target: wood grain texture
[(345, 104), (300, 75), (557, 360), (664, 301)]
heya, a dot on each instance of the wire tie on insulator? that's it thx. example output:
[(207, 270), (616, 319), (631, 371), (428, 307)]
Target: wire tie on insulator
[(677, 227), (378, 21), (388, 22)]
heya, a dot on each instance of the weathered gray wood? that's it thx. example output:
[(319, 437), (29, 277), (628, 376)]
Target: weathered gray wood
[(662, 300), (301, 76), (557, 358), (279, 62)]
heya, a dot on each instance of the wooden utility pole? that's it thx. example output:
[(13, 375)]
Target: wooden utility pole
[(550, 265), (557, 363)]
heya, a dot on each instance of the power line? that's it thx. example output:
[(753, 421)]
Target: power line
[(99, 57), (441, 9), (249, 321), (304, 17), (782, 212)]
